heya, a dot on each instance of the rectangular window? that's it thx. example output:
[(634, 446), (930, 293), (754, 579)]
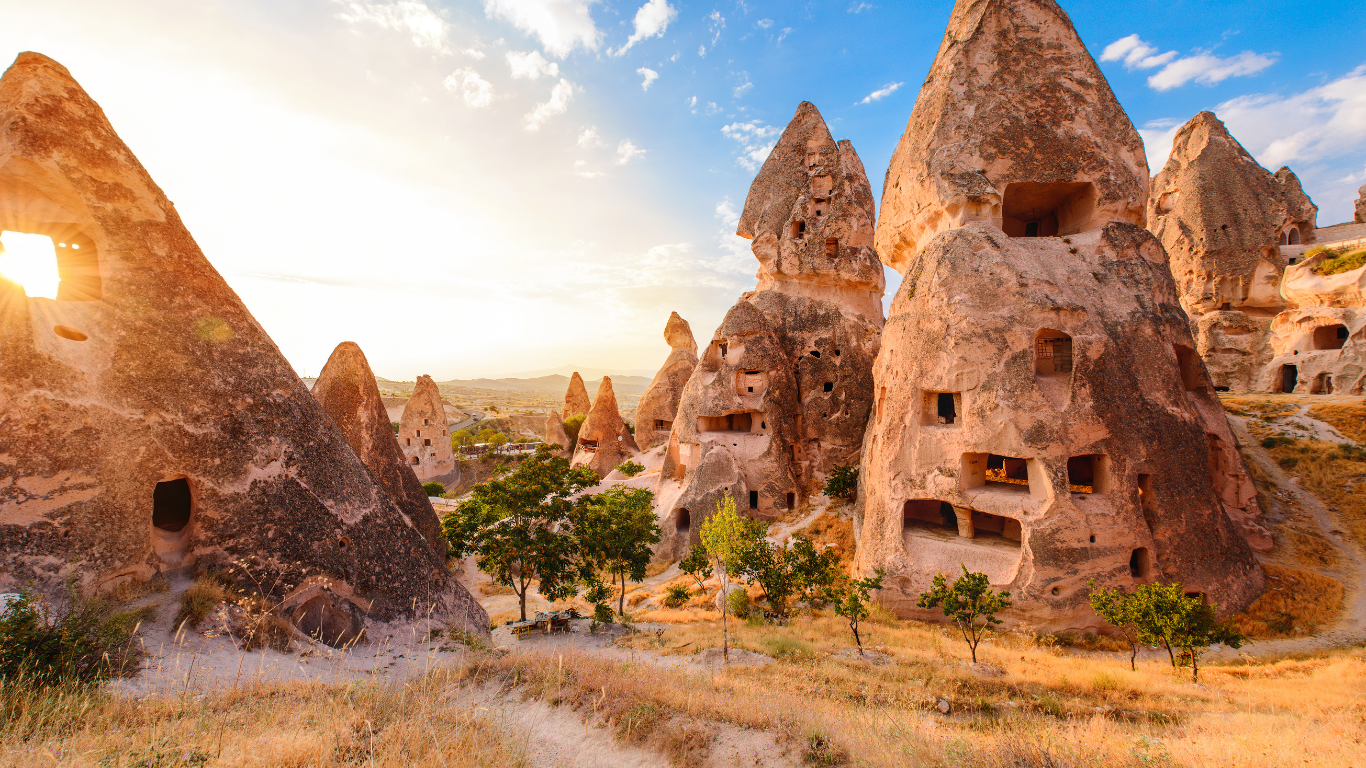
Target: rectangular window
[(427, 441), (753, 499)]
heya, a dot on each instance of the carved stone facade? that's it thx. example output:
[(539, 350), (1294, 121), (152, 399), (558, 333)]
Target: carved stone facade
[(425, 436)]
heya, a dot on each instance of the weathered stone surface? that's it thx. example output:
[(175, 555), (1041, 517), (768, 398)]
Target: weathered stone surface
[(1041, 414), (348, 393), (604, 442), (425, 436), (1033, 147), (576, 397), (1301, 215), (1360, 217), (659, 402), (556, 435), (172, 433), (1235, 346), (1319, 343)]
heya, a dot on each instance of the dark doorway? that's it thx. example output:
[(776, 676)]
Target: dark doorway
[(1290, 375), (684, 521), (753, 499), (1138, 563), (947, 413), (171, 505)]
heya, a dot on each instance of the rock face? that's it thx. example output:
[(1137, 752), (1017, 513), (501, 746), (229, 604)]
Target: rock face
[(1041, 415), (659, 402), (1360, 216), (556, 435), (148, 423), (1221, 218), (347, 390), (425, 437), (783, 392), (1086, 166), (604, 441), (1319, 342), (576, 397)]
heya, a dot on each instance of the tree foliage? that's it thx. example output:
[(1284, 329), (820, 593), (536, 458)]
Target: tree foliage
[(969, 598), (1162, 614), (851, 602), (783, 572), (613, 533), (83, 642), (698, 565), (842, 483), (630, 468), (725, 534), (571, 428), (434, 489)]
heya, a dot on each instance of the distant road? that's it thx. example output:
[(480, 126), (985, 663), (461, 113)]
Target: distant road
[(474, 418)]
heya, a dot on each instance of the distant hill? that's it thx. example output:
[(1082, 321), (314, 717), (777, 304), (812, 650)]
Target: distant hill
[(554, 383)]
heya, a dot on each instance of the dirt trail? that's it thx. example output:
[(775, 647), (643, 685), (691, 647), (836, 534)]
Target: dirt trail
[(1351, 628)]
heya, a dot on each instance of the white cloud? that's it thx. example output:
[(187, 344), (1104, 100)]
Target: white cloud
[(1322, 123), (755, 139), (764, 23), (743, 88), (531, 66), (692, 104), (476, 91), (881, 93), (712, 108), (474, 53), (737, 249), (702, 51), (1208, 69), (1135, 53), (626, 152), (727, 213), (1158, 136), (860, 8), (557, 105), (651, 21), (650, 76), (411, 17), (560, 25), (715, 22), (589, 138)]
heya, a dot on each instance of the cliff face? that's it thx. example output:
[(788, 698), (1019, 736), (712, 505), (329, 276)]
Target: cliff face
[(604, 442), (148, 423)]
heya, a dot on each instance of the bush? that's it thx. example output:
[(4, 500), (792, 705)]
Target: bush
[(676, 595), (1276, 441), (630, 468), (434, 489), (738, 602), (199, 601), (571, 428), (842, 483), (85, 643), (1336, 262)]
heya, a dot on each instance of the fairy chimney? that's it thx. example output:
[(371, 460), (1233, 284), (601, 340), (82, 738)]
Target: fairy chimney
[(425, 436), (148, 423), (1041, 415), (604, 441), (1360, 217), (347, 390), (555, 434), (659, 402), (576, 402)]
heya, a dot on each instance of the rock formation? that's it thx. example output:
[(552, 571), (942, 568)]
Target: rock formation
[(1360, 217), (604, 441), (659, 402), (1221, 218), (576, 400), (782, 394), (148, 423), (348, 393), (556, 435), (1319, 342), (425, 436), (1041, 415)]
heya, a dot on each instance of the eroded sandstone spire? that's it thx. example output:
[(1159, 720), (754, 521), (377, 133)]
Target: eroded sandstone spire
[(659, 402), (1014, 126), (425, 437), (1360, 209), (576, 400), (148, 423), (1041, 415), (555, 434), (604, 441), (348, 392)]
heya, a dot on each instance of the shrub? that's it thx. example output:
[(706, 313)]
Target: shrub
[(630, 468), (1336, 262), (86, 642), (395, 423), (738, 602), (199, 601), (1276, 441), (571, 428), (968, 599), (675, 595), (434, 489), (842, 483)]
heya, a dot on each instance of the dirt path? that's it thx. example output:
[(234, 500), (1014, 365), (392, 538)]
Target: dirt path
[(1351, 628)]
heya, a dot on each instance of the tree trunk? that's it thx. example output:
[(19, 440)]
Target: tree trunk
[(1170, 655), (857, 640), (621, 598), (1133, 655), (521, 601), (725, 627)]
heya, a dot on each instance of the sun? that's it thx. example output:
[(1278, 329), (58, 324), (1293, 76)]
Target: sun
[(30, 261)]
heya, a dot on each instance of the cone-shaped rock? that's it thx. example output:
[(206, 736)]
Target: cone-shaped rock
[(555, 434), (348, 392), (1041, 415), (425, 436), (148, 423), (659, 402), (604, 441), (1360, 216), (576, 400), (1015, 126)]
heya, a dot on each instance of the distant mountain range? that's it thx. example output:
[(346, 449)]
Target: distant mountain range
[(553, 383)]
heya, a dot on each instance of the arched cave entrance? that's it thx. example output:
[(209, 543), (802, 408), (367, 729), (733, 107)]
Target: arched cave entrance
[(172, 509), (683, 521), (1330, 336), (1290, 375)]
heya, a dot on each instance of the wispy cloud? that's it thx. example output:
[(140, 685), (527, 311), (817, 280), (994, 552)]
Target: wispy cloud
[(557, 105), (649, 76), (744, 86), (626, 152), (764, 23), (476, 91), (589, 138), (560, 25), (411, 17), (651, 21), (1135, 53), (881, 93), (531, 66), (755, 139), (715, 22), (859, 7), (1203, 68)]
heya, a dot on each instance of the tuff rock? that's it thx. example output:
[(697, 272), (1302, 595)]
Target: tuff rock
[(424, 435), (576, 400), (659, 402), (604, 441)]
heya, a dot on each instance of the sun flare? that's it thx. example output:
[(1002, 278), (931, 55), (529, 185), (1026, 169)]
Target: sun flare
[(30, 261)]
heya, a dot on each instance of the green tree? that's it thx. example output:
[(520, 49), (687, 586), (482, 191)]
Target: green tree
[(784, 572), (1120, 609), (571, 429), (725, 535), (698, 565), (1196, 629), (518, 526), (630, 468), (842, 483), (461, 438), (816, 569), (851, 602), (498, 439), (434, 489), (614, 531), (969, 599)]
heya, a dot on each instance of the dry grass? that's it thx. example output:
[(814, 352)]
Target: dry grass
[(832, 529), (1296, 602), (1299, 540), (1347, 418), (1259, 406), (1334, 475)]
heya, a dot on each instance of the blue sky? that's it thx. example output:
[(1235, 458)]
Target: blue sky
[(495, 186)]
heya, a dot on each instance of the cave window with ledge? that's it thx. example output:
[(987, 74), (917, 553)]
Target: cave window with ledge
[(1140, 564), (941, 408), (798, 229), (1328, 337), (989, 470), (832, 247), (1032, 209), (1088, 473), (53, 261), (1052, 353)]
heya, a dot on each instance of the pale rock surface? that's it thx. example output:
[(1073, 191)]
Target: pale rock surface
[(1041, 414), (348, 392), (1319, 342), (1360, 217), (955, 165), (576, 400), (148, 423), (425, 436), (604, 441), (659, 402), (555, 434)]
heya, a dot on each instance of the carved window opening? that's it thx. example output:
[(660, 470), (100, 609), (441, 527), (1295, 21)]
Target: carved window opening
[(427, 441), (743, 421), (832, 247), (1031, 209), (798, 229), (941, 408), (997, 472), (750, 382), (171, 504), (1330, 336), (55, 261), (829, 386), (1290, 375), (683, 521), (940, 517), (753, 499), (1052, 353), (1321, 385), (1140, 564), (1292, 236), (814, 353), (589, 446), (1192, 370), (661, 424), (1088, 474), (414, 460)]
